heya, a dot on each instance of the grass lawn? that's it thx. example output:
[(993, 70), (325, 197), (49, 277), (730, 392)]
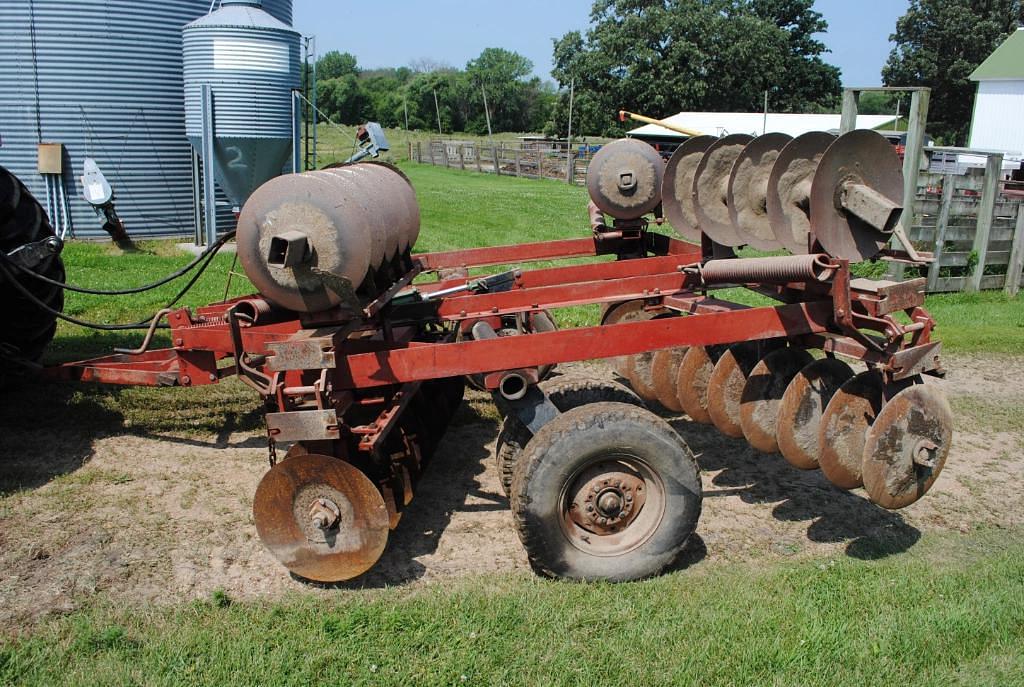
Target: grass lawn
[(948, 611)]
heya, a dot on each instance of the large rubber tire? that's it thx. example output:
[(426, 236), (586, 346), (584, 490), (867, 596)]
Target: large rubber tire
[(566, 392), (27, 329), (567, 450)]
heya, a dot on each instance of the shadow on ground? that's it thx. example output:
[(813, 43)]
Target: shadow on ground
[(835, 515), (50, 427), (451, 484)]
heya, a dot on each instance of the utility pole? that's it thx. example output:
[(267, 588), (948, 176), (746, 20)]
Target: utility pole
[(764, 125), (487, 113), (572, 95), (405, 104), (437, 109)]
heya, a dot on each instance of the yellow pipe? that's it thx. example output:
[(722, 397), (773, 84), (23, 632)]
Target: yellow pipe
[(623, 114)]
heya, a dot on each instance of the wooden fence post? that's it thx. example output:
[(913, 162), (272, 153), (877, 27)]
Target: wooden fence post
[(986, 212), (444, 153), (570, 167), (476, 157), (497, 164), (948, 184), (1016, 266), (519, 164), (462, 159)]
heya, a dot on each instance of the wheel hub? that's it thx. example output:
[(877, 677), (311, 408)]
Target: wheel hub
[(324, 514), (606, 498)]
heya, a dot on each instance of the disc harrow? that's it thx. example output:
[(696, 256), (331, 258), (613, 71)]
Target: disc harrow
[(828, 200), (360, 350)]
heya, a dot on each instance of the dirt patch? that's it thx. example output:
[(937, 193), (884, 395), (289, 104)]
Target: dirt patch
[(164, 518)]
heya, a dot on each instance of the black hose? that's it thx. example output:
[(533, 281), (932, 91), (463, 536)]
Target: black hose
[(144, 324), (213, 248)]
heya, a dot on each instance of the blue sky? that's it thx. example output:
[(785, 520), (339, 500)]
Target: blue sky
[(454, 31)]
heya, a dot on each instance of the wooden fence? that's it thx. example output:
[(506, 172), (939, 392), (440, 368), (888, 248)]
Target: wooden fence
[(533, 161), (974, 228)]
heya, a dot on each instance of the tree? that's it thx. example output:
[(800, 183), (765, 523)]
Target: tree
[(663, 56), (343, 100), (938, 44), (334, 65), (504, 76)]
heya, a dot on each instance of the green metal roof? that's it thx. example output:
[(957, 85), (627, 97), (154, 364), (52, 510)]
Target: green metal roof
[(1007, 62)]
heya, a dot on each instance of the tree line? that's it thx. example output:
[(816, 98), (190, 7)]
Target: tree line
[(429, 95), (659, 57)]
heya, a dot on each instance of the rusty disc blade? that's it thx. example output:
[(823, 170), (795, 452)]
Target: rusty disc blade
[(762, 396), (321, 517), (711, 188), (664, 373), (692, 381), (861, 157), (801, 409), (626, 311), (677, 187), (725, 387), (748, 191), (844, 426), (641, 376), (788, 196), (907, 446)]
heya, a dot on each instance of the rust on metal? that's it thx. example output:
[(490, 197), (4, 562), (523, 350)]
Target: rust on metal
[(613, 506), (768, 270), (711, 188), (665, 375), (748, 191), (299, 425), (802, 407), (626, 311), (692, 381), (762, 396), (321, 517), (641, 376), (788, 195), (856, 195), (677, 187), (844, 427), (366, 366), (624, 178), (726, 385), (907, 446)]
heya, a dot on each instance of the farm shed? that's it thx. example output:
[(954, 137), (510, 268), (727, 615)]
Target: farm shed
[(999, 104)]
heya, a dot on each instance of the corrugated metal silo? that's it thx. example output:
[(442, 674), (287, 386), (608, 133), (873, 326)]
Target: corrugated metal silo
[(105, 78), (251, 61)]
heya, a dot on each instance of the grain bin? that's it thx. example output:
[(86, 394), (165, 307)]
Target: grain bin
[(250, 60), (104, 78)]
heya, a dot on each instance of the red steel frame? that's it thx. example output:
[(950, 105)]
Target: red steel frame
[(368, 353), (339, 383)]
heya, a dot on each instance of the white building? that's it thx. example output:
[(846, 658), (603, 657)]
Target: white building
[(755, 124), (998, 121)]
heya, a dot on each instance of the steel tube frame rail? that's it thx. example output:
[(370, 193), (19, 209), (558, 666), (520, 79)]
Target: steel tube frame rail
[(202, 342)]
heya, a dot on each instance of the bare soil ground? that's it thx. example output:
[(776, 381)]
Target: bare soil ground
[(117, 511)]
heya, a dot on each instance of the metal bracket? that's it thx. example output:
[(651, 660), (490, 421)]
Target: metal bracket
[(30, 255), (304, 425), (340, 286), (534, 409)]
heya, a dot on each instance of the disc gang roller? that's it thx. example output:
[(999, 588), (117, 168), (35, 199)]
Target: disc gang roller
[(360, 348)]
